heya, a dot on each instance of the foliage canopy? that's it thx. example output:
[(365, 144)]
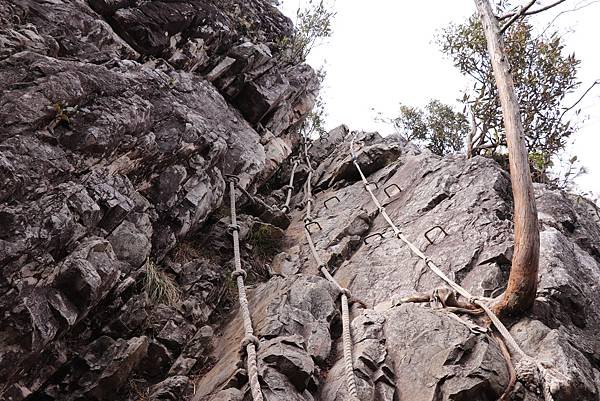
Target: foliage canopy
[(313, 23), (543, 75), (439, 128), (543, 72)]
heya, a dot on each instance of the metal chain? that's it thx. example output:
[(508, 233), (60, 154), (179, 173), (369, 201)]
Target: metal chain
[(250, 342), (474, 300), (345, 293)]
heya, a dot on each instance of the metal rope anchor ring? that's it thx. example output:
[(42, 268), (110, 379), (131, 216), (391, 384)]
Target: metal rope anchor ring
[(310, 223), (249, 339), (233, 227), (426, 235), (390, 186), (328, 199), (321, 267), (239, 273), (380, 235), (232, 177)]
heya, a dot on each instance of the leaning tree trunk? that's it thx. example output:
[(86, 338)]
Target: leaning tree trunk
[(522, 282)]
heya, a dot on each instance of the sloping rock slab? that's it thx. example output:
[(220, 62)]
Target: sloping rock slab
[(433, 358)]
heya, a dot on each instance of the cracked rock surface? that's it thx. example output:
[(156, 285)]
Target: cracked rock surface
[(414, 351), (120, 120)]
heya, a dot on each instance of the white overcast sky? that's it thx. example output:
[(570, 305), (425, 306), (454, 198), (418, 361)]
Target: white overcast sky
[(382, 53)]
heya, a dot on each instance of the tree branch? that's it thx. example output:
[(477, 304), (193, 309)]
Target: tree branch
[(523, 12), (567, 11), (596, 82), (516, 16), (549, 6), (520, 11), (482, 147)]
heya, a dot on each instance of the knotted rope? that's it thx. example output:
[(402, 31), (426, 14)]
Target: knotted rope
[(290, 187), (527, 365), (250, 342), (345, 293), (256, 200)]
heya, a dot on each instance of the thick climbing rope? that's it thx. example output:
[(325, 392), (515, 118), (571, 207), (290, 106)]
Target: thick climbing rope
[(528, 364), (250, 342), (305, 147), (290, 187), (255, 200), (345, 293), (399, 234)]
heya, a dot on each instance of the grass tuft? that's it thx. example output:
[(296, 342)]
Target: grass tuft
[(265, 240), (160, 287)]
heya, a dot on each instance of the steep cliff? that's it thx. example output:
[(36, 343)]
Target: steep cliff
[(120, 120)]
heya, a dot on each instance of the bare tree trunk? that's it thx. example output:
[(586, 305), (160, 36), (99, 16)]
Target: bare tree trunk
[(522, 282), (472, 133)]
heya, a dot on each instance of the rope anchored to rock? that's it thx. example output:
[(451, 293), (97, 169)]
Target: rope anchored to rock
[(255, 200), (344, 292), (290, 187), (250, 341), (527, 368)]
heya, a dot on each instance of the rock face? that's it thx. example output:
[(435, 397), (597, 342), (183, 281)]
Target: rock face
[(413, 351), (119, 122)]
